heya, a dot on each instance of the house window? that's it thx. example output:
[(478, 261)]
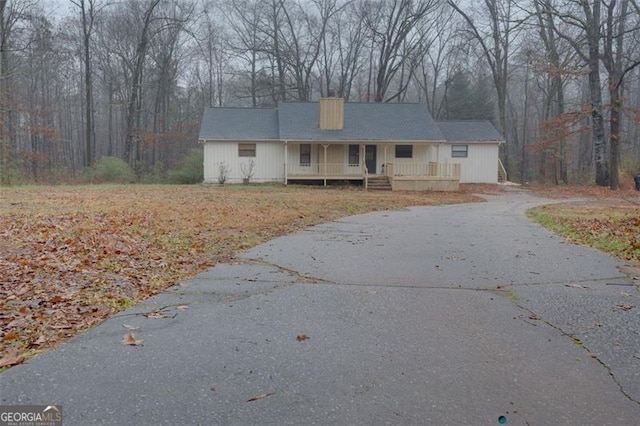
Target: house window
[(459, 151), (354, 155), (305, 154), (246, 150), (404, 151)]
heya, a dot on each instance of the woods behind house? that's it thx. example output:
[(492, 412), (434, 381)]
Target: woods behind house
[(125, 82)]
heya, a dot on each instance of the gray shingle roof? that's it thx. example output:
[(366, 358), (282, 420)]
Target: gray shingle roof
[(362, 121), (239, 124), (469, 131), (298, 121)]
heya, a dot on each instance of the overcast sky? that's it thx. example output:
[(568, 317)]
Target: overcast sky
[(57, 8)]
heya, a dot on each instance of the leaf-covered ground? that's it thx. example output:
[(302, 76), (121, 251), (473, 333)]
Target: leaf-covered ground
[(608, 221), (71, 256), (597, 194)]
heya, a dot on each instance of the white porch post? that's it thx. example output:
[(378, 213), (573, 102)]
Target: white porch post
[(363, 164), (386, 161), (286, 160), (324, 164)]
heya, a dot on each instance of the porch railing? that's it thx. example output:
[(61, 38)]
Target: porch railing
[(445, 170), (325, 169), (342, 170)]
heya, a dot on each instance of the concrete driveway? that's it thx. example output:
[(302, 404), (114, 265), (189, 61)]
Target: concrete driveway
[(465, 314)]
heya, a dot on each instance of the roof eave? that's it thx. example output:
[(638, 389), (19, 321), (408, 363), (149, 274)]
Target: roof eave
[(498, 141), (203, 140), (431, 141)]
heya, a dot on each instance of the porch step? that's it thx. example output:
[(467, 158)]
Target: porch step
[(379, 183)]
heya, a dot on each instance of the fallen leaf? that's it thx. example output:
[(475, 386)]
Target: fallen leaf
[(302, 337), (56, 299), (259, 397), (182, 307), (11, 335), (130, 339), (626, 306), (11, 358), (155, 315)]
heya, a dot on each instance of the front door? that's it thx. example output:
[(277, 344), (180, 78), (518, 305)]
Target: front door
[(370, 158)]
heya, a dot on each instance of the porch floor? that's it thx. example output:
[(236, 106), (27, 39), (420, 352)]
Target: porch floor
[(327, 177)]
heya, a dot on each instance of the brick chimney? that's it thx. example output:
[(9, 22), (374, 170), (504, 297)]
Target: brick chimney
[(331, 114)]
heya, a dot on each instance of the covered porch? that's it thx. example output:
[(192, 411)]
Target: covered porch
[(416, 170)]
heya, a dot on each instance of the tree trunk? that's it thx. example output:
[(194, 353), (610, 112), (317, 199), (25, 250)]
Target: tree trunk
[(613, 58), (5, 99), (601, 157), (132, 142), (87, 27)]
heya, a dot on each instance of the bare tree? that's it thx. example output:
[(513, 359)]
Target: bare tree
[(247, 42), (7, 22), (350, 47), (589, 22), (88, 11), (554, 69), (132, 150), (395, 40), (495, 34), (601, 38), (618, 59), (341, 50), (442, 58), (165, 53), (272, 28), (12, 13), (110, 73), (303, 38)]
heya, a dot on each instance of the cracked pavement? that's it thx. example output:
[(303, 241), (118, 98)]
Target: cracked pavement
[(431, 315)]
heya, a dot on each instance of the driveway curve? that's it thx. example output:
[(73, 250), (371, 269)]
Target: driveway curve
[(464, 314)]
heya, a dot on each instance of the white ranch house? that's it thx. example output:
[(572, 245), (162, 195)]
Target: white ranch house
[(392, 145)]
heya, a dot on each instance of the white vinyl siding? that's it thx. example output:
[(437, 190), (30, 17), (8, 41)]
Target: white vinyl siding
[(480, 165), (420, 154), (269, 161), (293, 159), (337, 154)]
